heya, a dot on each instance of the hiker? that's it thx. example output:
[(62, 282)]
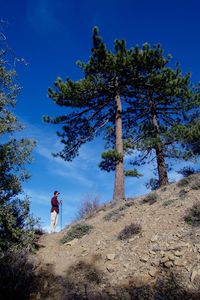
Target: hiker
[(54, 211)]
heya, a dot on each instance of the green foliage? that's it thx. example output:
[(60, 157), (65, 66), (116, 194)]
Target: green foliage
[(158, 106), (16, 275), (76, 232), (187, 171), (193, 216), (183, 194), (16, 224), (115, 214), (151, 198), (167, 202), (129, 231), (195, 185), (184, 182), (164, 98), (132, 173), (110, 159)]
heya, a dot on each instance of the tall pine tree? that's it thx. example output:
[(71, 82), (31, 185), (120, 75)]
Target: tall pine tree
[(97, 103), (159, 109)]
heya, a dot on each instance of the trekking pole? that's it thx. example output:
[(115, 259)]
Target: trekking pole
[(61, 215)]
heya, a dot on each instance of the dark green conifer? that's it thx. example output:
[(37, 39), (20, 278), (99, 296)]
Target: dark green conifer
[(96, 103)]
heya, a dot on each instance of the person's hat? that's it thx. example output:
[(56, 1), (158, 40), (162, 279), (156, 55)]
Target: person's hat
[(56, 192)]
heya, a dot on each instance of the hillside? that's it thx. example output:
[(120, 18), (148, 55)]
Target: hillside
[(160, 261)]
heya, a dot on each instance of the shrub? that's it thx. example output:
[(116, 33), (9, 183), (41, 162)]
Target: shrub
[(193, 216), (182, 194), (184, 182), (195, 185), (151, 198), (86, 272), (129, 231), (39, 231), (76, 231), (115, 214), (88, 206), (167, 202), (187, 171), (16, 274)]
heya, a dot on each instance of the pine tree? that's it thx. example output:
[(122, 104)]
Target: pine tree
[(164, 97), (97, 103)]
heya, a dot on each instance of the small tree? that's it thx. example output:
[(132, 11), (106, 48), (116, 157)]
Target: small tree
[(16, 224)]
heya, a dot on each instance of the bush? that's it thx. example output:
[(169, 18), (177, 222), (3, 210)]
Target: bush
[(129, 231), (151, 198), (76, 232), (115, 214), (193, 216), (195, 185), (184, 182), (182, 194), (192, 181), (167, 202), (39, 231), (187, 171), (16, 275), (88, 206)]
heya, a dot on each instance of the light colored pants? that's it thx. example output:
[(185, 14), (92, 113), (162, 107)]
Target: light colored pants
[(54, 221)]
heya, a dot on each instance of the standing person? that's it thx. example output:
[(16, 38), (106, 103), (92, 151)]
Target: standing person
[(54, 211)]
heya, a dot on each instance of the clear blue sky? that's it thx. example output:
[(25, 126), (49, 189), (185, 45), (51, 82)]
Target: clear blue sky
[(51, 36)]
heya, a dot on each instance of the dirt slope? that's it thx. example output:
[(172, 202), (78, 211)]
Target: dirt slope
[(161, 262)]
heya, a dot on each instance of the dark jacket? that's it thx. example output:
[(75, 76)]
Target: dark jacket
[(55, 205)]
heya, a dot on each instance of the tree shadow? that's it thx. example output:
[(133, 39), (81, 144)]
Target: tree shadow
[(85, 280)]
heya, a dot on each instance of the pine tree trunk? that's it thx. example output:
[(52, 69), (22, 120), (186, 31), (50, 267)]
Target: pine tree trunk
[(162, 170), (119, 172), (161, 165)]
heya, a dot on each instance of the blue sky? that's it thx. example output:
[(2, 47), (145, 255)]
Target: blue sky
[(51, 36)]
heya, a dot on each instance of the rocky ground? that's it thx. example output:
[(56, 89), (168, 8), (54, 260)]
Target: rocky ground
[(162, 261)]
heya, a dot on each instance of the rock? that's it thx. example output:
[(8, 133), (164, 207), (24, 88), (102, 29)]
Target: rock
[(195, 273), (110, 269), (153, 272), (98, 243), (155, 263), (144, 278), (119, 248), (126, 266), (178, 235), (178, 253), (133, 239), (45, 284), (144, 258), (110, 256), (84, 254), (164, 259), (168, 264), (154, 238), (151, 252), (84, 250), (171, 257), (38, 297), (72, 243), (179, 263)]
